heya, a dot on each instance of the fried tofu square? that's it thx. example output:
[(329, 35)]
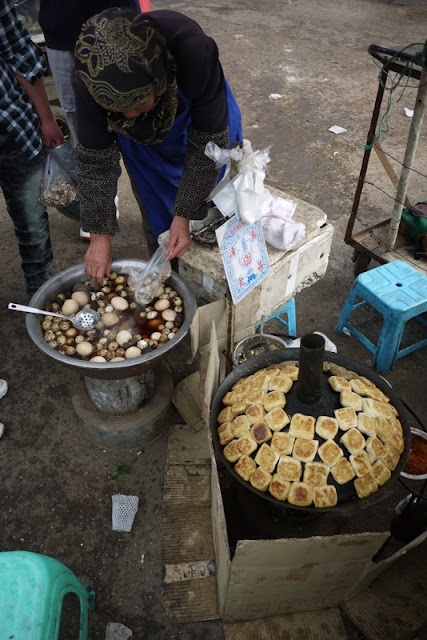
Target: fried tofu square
[(274, 399), (300, 494), (365, 485), (266, 458), (330, 452), (326, 427), (325, 496), (260, 432), (279, 488), (360, 463), (391, 431), (390, 456), (367, 424), (353, 440), (378, 409), (347, 418), (260, 479), (242, 384), (231, 451), (240, 425), (382, 473), (230, 397), (225, 415), (225, 433), (245, 467), (372, 390), (289, 469), (277, 419), (305, 450), (351, 399), (374, 448), (280, 382), (254, 396), (246, 444), (339, 384), (342, 472), (255, 413), (240, 405), (282, 443), (302, 426), (315, 473), (260, 381), (291, 371)]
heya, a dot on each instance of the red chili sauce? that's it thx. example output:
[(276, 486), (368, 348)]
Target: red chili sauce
[(417, 461)]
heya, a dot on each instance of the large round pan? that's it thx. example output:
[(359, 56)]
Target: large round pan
[(329, 401)]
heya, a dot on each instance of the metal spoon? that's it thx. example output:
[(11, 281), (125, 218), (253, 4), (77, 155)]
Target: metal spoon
[(84, 319)]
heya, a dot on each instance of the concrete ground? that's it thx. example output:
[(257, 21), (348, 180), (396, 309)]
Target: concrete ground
[(55, 491)]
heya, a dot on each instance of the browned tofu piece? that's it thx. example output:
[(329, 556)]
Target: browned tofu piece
[(240, 425), (305, 450), (289, 469), (245, 467), (277, 419), (231, 451), (360, 463), (279, 488), (351, 399), (378, 409), (246, 444), (274, 399), (326, 427), (353, 440), (374, 448), (390, 456), (302, 426), (325, 496), (382, 473), (260, 432), (280, 382), (266, 458), (330, 452), (300, 494), (367, 424), (225, 415), (255, 413), (282, 443), (342, 472), (365, 485), (260, 479), (347, 418), (291, 371), (339, 384), (225, 433), (315, 473)]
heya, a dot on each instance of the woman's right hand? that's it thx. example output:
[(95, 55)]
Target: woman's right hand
[(99, 256)]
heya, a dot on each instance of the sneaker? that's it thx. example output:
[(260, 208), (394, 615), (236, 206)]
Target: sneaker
[(84, 235)]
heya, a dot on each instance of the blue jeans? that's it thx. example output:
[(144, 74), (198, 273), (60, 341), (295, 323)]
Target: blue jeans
[(20, 180)]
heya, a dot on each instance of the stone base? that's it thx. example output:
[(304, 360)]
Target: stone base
[(126, 431)]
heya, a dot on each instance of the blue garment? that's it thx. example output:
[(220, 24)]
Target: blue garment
[(156, 169), (20, 180)]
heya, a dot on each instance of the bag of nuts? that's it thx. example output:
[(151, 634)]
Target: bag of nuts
[(59, 186), (147, 282)]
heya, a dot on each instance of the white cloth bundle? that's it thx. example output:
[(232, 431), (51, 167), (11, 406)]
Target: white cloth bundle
[(277, 225)]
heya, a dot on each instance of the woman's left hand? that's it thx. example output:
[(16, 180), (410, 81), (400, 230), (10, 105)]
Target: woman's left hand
[(179, 238)]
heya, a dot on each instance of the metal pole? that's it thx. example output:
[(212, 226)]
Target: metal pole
[(411, 147)]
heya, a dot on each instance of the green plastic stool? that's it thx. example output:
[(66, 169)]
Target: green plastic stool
[(32, 589)]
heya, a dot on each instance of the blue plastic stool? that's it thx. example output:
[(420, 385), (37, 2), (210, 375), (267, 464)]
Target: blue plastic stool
[(399, 293), (32, 589), (290, 323)]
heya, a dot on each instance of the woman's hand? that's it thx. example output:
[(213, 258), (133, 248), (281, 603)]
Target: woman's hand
[(179, 238), (98, 257)]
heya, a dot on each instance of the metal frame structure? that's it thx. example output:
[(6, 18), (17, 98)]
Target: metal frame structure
[(379, 241)]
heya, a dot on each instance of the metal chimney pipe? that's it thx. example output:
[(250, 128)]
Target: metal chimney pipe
[(310, 377)]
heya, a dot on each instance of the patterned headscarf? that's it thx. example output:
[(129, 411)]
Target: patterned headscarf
[(123, 59)]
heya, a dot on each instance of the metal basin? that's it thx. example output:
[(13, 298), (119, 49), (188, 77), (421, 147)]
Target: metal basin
[(107, 370)]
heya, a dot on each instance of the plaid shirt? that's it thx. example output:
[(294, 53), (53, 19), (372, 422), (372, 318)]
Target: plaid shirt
[(18, 55)]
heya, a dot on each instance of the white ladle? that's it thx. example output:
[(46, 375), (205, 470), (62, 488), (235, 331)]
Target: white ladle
[(84, 319)]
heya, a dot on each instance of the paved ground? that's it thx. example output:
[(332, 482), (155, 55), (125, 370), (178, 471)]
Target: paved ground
[(55, 491)]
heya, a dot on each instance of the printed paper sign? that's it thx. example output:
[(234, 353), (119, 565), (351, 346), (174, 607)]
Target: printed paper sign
[(244, 255)]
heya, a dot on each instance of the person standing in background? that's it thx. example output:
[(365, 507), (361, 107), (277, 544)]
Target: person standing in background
[(61, 21), (27, 125)]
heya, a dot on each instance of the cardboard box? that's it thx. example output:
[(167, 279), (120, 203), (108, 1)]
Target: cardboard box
[(274, 577)]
